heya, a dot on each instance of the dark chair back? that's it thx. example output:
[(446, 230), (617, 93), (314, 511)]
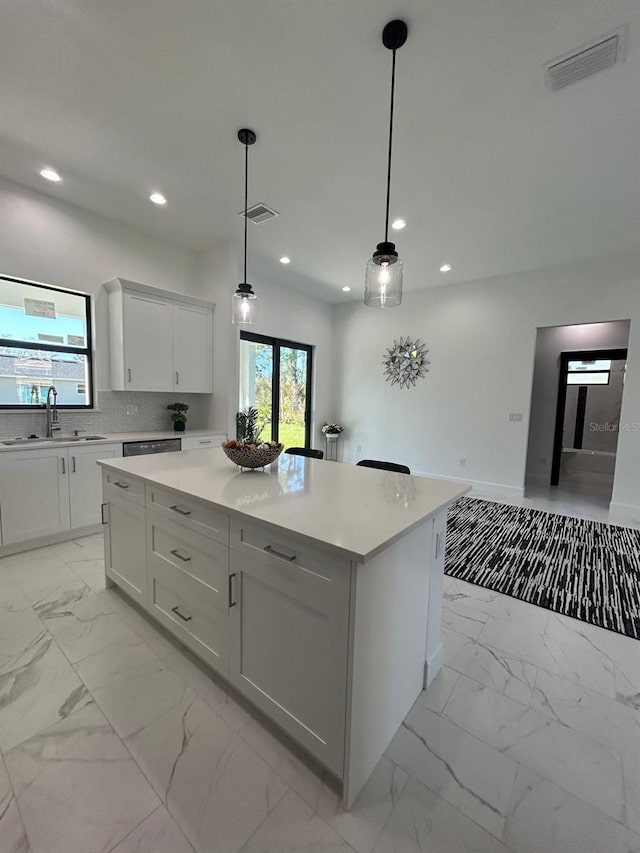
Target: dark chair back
[(305, 451), (384, 466)]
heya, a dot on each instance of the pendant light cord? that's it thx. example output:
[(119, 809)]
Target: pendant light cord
[(246, 192), (393, 86)]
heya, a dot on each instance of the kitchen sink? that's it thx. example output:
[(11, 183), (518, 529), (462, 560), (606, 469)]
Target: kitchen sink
[(58, 438), (77, 438)]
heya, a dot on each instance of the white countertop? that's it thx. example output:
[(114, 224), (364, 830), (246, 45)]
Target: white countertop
[(107, 437), (354, 509)]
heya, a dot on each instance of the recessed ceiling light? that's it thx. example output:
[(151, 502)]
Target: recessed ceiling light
[(285, 260), (157, 198), (50, 175), (346, 288), (399, 224), (446, 268)]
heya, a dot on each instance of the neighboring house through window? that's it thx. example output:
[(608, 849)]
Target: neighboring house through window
[(45, 340)]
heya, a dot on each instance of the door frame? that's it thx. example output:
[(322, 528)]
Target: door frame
[(614, 354), (277, 343)]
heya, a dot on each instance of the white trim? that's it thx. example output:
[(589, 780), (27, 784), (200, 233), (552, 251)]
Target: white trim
[(433, 665), (479, 487), (628, 512), (51, 539)]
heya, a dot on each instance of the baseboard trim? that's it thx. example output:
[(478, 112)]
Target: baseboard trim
[(628, 512), (53, 539), (432, 666), (479, 488)]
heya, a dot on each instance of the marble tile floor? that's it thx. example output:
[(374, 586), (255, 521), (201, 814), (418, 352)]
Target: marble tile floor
[(113, 738)]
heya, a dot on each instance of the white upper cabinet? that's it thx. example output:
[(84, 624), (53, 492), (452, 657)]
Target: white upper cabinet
[(159, 341), (148, 354), (192, 347)]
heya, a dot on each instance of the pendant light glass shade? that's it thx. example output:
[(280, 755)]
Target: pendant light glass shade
[(246, 306), (383, 280)]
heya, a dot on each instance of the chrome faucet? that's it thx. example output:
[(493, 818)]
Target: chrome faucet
[(53, 424)]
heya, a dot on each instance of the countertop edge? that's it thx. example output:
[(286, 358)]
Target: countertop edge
[(351, 555), (112, 438)]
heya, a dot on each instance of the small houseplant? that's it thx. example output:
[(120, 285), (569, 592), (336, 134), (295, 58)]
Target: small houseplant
[(178, 417), (332, 430), (247, 450)]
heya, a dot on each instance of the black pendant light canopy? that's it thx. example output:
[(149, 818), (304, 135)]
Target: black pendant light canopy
[(245, 301), (383, 281)]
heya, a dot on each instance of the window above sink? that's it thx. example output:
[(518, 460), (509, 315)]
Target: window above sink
[(45, 339)]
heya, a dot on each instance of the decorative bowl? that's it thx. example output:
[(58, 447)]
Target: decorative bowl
[(247, 457)]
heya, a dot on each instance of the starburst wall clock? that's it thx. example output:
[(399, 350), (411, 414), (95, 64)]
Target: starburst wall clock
[(405, 362)]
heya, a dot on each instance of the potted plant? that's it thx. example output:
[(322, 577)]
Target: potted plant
[(332, 431), (178, 417)]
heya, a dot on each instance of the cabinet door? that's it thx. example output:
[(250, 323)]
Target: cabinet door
[(148, 351), (192, 348), (85, 481), (125, 546), (34, 493), (289, 640)]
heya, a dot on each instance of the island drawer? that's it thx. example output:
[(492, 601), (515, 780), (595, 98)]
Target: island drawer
[(122, 486), (189, 512), (197, 557), (274, 547), (176, 601)]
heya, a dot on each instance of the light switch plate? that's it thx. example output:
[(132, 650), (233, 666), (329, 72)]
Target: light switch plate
[(515, 416)]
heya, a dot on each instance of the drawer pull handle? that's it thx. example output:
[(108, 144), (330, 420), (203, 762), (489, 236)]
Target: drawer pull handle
[(271, 550), (184, 618), (180, 556), (208, 441), (232, 603), (122, 485), (103, 518), (181, 511)]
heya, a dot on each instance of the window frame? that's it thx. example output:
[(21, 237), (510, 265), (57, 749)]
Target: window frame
[(277, 343), (87, 351)]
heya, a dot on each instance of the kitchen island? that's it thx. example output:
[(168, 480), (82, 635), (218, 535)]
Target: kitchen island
[(314, 588)]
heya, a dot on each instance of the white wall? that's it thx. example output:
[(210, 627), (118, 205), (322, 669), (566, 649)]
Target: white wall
[(481, 338), (284, 313), (50, 241), (550, 342)]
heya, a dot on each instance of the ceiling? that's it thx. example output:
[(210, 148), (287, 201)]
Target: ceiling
[(493, 173)]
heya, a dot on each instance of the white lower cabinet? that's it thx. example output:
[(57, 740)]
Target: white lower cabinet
[(125, 545), (85, 481), (270, 612), (202, 442), (49, 490), (188, 587), (289, 636), (34, 493)]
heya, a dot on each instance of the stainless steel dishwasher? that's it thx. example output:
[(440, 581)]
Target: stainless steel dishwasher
[(143, 448)]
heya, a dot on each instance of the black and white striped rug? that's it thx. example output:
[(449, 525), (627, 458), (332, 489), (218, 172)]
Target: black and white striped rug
[(579, 568)]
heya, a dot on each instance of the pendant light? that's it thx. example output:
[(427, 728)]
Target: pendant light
[(383, 281), (245, 301)]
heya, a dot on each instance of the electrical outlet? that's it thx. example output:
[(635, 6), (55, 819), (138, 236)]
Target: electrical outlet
[(515, 417), (462, 462), (359, 448), (132, 408)]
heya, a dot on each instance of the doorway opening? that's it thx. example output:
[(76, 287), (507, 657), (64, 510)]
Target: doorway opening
[(576, 403), (275, 377)]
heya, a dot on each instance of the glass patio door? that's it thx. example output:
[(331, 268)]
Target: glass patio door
[(275, 376)]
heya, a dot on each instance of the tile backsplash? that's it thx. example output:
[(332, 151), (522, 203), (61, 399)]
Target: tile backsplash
[(112, 415)]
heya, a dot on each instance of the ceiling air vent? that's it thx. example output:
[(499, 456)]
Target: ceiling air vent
[(259, 213), (590, 59)]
